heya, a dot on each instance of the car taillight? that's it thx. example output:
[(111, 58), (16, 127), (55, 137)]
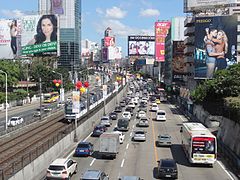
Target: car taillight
[(64, 172), (86, 150)]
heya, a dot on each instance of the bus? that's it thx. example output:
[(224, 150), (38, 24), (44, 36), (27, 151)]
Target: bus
[(50, 97), (199, 144)]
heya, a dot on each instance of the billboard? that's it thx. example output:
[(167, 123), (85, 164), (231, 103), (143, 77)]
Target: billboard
[(191, 5), (10, 37), (39, 34), (118, 52), (141, 45), (57, 7), (161, 31), (105, 54), (109, 41), (178, 63), (215, 44)]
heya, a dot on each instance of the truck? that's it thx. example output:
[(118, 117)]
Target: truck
[(109, 145)]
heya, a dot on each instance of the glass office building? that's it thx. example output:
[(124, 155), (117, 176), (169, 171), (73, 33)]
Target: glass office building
[(69, 12)]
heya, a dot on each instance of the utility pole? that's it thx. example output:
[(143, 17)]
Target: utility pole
[(40, 91)]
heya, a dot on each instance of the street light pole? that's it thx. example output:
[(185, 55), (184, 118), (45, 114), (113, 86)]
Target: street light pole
[(40, 91), (6, 98)]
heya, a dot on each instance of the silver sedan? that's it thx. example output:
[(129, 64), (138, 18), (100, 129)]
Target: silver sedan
[(139, 135)]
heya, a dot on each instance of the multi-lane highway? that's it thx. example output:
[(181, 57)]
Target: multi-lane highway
[(140, 158)]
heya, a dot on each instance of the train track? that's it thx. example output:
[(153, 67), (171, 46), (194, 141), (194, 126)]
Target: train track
[(16, 146)]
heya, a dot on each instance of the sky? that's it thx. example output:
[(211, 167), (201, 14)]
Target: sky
[(124, 17)]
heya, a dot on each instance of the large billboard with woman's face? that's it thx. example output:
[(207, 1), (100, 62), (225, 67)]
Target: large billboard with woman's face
[(39, 35), (215, 44), (141, 45), (10, 39)]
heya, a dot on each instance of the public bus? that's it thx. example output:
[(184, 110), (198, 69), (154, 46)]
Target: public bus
[(50, 97), (161, 95), (199, 144)]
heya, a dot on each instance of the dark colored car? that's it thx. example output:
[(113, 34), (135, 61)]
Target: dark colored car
[(98, 130), (84, 149), (167, 168), (113, 115), (118, 109), (122, 103), (129, 109)]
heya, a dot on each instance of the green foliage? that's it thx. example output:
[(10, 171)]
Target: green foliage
[(232, 108), (20, 94), (226, 83)]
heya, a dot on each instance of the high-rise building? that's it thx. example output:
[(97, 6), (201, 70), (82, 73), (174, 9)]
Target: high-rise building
[(69, 12)]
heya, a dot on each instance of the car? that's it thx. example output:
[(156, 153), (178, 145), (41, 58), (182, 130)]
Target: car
[(14, 121), (164, 140), (131, 104), (167, 168), (105, 120), (122, 103), (130, 178), (152, 98), (129, 109), (84, 149), (158, 101), (154, 107), (113, 116), (47, 108), (161, 115), (98, 130), (94, 175), (135, 100), (143, 122), (141, 114), (144, 100), (126, 114), (62, 168), (118, 109), (121, 136), (37, 114), (139, 135)]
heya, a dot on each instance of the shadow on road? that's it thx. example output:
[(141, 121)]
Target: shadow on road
[(179, 156)]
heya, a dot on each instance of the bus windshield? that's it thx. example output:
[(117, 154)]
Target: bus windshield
[(203, 145)]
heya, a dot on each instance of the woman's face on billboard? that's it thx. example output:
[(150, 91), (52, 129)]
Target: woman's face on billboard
[(47, 27)]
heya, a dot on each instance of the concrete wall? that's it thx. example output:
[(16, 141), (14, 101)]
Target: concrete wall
[(37, 169)]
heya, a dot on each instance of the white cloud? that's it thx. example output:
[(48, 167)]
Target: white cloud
[(99, 11), (115, 13), (149, 12), (12, 13)]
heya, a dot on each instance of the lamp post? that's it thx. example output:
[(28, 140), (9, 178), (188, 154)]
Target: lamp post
[(6, 91), (61, 91)]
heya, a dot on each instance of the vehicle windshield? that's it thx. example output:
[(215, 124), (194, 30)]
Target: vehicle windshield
[(83, 146), (164, 137), (168, 164), (139, 132), (104, 119), (161, 113), (122, 122), (56, 168), (13, 119), (203, 145)]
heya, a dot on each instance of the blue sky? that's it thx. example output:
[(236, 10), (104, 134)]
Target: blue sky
[(125, 17)]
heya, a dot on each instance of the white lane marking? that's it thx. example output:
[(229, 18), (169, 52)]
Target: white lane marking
[(181, 118), (222, 166), (171, 106), (92, 162), (133, 126), (74, 149), (122, 162), (127, 146), (131, 134)]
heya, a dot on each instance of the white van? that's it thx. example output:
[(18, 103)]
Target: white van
[(161, 115)]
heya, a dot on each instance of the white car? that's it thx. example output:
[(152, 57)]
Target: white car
[(131, 104), (62, 168), (154, 107), (15, 121), (105, 120), (145, 100), (141, 114), (139, 135), (121, 136), (161, 115), (126, 115)]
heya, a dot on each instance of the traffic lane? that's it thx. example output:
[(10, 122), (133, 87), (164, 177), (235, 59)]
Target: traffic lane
[(140, 157), (185, 170)]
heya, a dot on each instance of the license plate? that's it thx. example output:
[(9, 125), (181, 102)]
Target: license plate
[(168, 175), (81, 151)]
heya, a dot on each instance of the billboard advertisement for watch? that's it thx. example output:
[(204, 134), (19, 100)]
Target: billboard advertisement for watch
[(39, 34), (141, 45), (161, 31), (215, 44)]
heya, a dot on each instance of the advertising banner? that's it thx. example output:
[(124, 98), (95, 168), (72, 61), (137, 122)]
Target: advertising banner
[(178, 63), (109, 41), (197, 4), (141, 45), (57, 7), (39, 34), (215, 44), (118, 52), (161, 31), (111, 53), (76, 101), (10, 39)]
